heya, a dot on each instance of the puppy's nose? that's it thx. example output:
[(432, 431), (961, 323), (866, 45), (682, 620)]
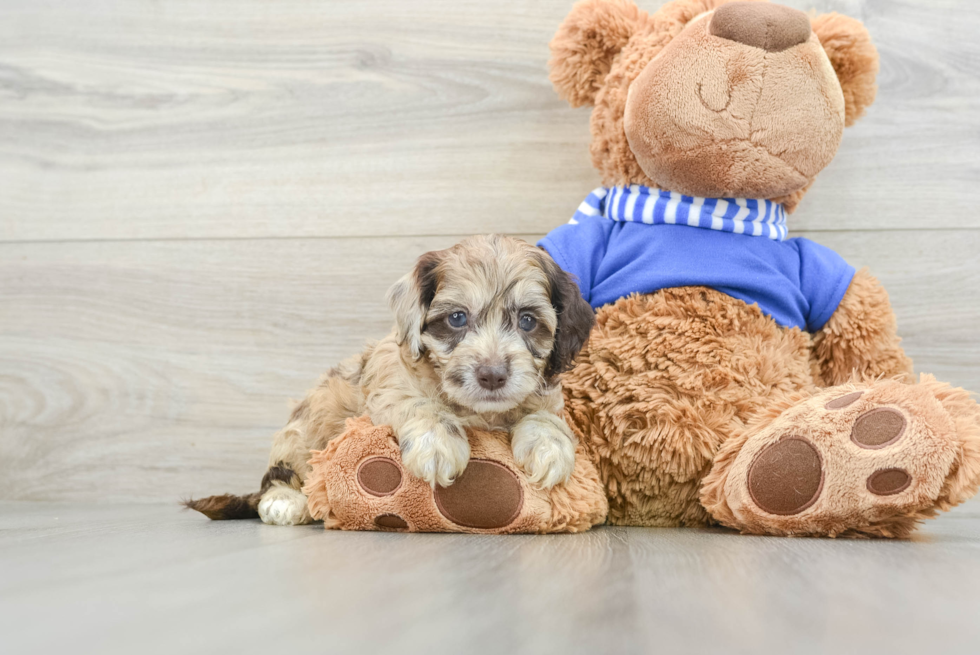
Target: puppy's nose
[(771, 27), (491, 378)]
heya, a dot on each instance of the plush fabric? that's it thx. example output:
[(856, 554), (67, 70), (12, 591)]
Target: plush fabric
[(695, 406), (358, 483)]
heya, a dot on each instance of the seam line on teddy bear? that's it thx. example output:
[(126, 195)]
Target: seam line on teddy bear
[(642, 204)]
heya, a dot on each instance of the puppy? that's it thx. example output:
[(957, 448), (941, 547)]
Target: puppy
[(482, 332)]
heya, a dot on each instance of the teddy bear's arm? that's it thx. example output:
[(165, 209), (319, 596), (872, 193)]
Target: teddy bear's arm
[(861, 337)]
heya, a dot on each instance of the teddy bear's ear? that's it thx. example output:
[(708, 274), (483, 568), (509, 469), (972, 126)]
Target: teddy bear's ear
[(590, 37), (854, 58)]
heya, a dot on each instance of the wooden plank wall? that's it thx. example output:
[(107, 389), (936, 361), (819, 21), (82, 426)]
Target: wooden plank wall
[(203, 201)]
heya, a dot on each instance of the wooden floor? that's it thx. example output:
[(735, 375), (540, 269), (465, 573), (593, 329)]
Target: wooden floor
[(151, 579), (202, 203)]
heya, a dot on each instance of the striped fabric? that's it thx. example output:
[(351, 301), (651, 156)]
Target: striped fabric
[(640, 204)]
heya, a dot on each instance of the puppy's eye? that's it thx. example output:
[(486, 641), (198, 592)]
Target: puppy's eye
[(457, 319), (527, 322)]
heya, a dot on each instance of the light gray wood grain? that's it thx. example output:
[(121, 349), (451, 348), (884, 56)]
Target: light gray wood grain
[(150, 579), (231, 118), (157, 369)]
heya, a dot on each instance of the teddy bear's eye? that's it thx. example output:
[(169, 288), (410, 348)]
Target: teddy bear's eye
[(457, 319), (527, 322)]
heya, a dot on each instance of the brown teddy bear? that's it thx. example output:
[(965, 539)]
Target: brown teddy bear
[(736, 375)]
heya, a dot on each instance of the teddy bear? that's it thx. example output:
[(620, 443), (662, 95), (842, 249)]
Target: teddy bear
[(738, 376)]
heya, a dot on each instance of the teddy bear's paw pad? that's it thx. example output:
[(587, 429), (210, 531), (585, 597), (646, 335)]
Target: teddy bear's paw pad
[(379, 476), (786, 477), (878, 428), (391, 522), (486, 496), (888, 482)]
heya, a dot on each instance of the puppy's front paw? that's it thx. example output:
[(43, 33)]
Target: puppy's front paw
[(437, 452), (544, 450)]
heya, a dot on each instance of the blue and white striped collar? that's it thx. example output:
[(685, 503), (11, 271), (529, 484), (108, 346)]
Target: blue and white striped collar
[(640, 204)]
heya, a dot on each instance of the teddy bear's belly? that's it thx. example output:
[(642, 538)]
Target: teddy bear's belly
[(665, 379)]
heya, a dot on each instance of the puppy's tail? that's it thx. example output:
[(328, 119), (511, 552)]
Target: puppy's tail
[(227, 507)]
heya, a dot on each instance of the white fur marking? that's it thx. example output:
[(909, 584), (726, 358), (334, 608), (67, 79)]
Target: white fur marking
[(283, 506)]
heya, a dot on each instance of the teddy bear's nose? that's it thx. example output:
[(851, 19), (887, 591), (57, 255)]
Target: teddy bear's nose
[(771, 27)]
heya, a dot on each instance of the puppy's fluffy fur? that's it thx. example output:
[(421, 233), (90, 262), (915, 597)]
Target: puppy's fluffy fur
[(482, 332)]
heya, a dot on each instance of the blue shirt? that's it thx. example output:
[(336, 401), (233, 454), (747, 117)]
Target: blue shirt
[(797, 282)]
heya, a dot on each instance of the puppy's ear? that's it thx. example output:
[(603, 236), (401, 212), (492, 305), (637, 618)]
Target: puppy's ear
[(575, 317), (582, 52), (854, 58), (409, 299)]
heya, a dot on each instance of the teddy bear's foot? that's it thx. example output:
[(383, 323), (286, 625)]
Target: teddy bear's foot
[(360, 483), (870, 460)]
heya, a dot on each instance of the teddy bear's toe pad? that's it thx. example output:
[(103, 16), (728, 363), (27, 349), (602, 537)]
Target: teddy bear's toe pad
[(391, 522), (379, 476), (888, 482), (878, 428), (844, 401), (487, 496)]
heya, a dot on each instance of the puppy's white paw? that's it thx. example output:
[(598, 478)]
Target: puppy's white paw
[(544, 449), (436, 452), (283, 506)]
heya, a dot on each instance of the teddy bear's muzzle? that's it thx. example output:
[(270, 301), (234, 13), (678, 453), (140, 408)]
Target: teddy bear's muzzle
[(772, 27)]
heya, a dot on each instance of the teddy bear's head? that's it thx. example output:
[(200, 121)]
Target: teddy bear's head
[(714, 98)]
